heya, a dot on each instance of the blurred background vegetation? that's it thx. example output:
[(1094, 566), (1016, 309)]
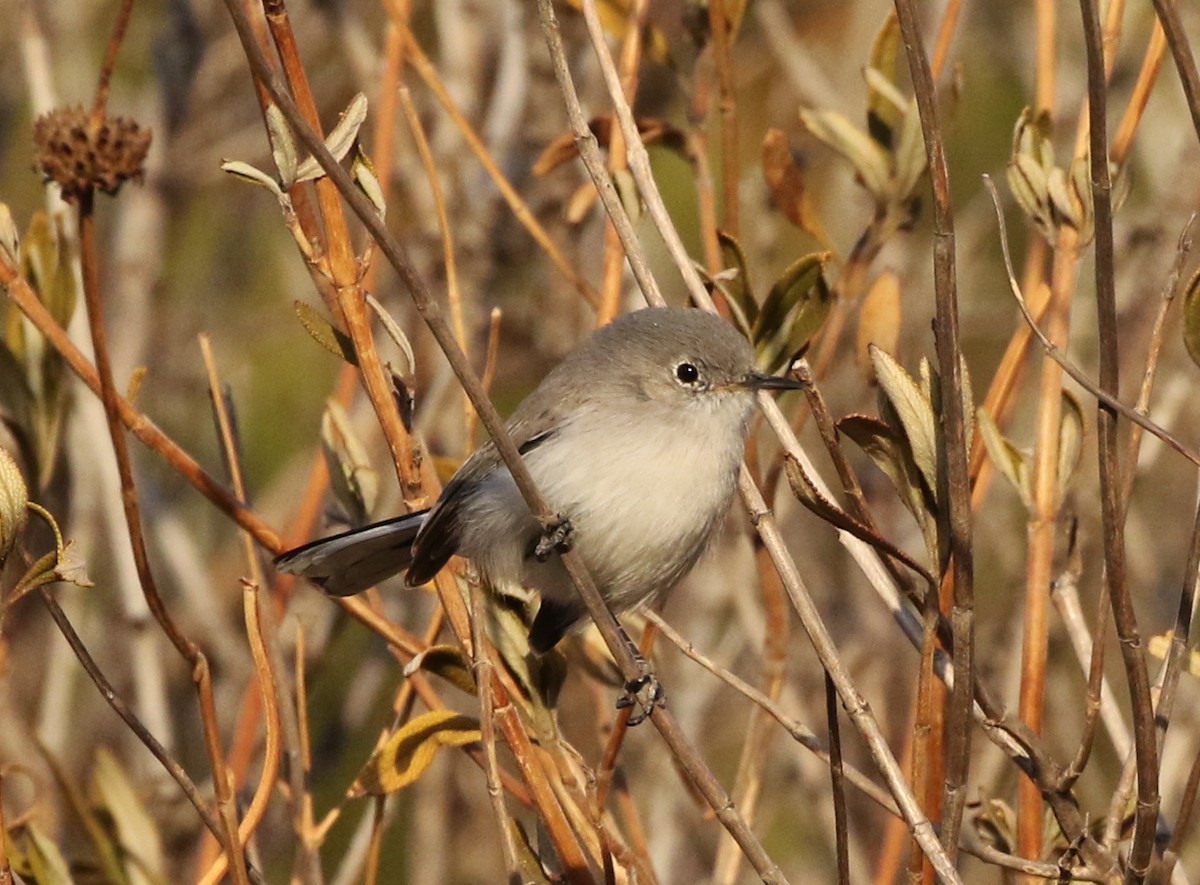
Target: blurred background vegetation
[(193, 250)]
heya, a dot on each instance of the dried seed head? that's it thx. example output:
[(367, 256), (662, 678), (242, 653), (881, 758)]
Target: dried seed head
[(13, 498), (80, 154)]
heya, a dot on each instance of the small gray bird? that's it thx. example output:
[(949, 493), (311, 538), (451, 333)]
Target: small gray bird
[(635, 438)]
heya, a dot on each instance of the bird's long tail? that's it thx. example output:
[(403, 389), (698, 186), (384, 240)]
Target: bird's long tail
[(355, 560)]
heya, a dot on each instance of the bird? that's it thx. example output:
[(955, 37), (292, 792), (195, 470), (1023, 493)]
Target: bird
[(635, 438)]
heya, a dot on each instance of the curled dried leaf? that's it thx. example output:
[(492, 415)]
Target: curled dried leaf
[(411, 750), (446, 661)]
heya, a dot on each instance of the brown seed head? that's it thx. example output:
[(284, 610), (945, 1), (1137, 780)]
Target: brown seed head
[(81, 154)]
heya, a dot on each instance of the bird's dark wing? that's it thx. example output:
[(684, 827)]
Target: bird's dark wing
[(438, 539), (553, 620), (351, 562)]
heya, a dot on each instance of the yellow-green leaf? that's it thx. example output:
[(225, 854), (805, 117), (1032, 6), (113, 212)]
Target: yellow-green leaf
[(410, 751), (446, 661), (323, 332), (794, 287), (1191, 317), (738, 287)]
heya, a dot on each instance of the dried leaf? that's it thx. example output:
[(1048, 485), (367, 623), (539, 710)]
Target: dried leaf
[(785, 179), (883, 112), (1070, 441), (614, 19), (892, 455), (354, 482), (13, 497), (246, 172), (72, 567), (878, 320), (914, 410), (395, 333), (36, 858), (869, 160), (283, 146), (910, 159), (581, 202), (653, 130), (1012, 463), (10, 243), (363, 173), (1028, 182), (340, 140), (1160, 647), (412, 748), (135, 830), (446, 661), (323, 332), (1064, 202)]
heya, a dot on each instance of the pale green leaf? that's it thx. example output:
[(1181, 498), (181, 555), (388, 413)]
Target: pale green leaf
[(340, 140), (283, 146), (246, 172), (1070, 441), (913, 409), (1012, 463), (869, 160), (141, 850)]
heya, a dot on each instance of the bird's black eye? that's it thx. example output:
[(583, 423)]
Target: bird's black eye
[(687, 373)]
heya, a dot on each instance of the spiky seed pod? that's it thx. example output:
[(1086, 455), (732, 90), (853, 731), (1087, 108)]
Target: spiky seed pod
[(80, 153)]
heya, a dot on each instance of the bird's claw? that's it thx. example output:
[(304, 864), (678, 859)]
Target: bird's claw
[(558, 537), (646, 693)]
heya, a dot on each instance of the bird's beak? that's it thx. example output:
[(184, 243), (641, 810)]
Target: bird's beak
[(759, 381)]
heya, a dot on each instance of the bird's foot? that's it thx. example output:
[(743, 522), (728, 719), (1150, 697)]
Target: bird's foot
[(558, 537), (645, 693)]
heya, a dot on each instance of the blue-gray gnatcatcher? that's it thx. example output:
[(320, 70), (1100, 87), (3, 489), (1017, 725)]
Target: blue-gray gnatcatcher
[(635, 438)]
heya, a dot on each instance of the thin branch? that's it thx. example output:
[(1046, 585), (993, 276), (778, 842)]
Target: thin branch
[(1053, 351), (114, 700), (837, 776), (1112, 510), (954, 492)]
